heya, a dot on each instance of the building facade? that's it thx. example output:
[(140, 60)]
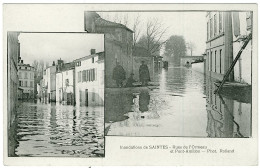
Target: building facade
[(224, 29), (49, 84), (118, 44), (13, 57), (65, 82), (89, 80), (26, 75)]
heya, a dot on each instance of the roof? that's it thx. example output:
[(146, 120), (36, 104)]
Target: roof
[(140, 52), (102, 22), (191, 57), (89, 56), (67, 66)]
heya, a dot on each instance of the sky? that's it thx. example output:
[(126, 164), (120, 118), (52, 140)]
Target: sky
[(70, 18), (50, 47), (190, 25)]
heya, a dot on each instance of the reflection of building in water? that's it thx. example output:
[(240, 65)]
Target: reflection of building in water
[(226, 117), (89, 79), (117, 105)]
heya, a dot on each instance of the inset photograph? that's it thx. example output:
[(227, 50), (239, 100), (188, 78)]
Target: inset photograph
[(55, 94)]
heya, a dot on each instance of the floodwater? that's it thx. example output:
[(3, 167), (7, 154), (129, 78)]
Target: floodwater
[(182, 105), (59, 130)]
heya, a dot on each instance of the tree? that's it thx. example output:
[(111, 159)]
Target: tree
[(152, 39), (175, 48), (39, 67)]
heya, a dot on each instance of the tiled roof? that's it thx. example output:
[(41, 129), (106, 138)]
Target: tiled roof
[(102, 22)]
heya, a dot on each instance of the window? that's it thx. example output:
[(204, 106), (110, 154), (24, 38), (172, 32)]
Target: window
[(215, 25), (31, 84), (20, 83), (215, 61), (87, 75), (211, 28), (220, 55), (93, 59), (220, 22), (207, 30), (249, 20), (84, 76), (25, 75), (20, 75), (79, 76), (208, 62), (25, 67), (25, 83), (67, 82), (211, 62)]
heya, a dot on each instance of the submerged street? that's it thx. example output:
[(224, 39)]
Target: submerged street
[(59, 130), (182, 105)]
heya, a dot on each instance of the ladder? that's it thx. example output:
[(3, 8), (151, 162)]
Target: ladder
[(247, 39)]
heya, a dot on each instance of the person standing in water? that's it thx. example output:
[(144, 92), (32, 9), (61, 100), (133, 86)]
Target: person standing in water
[(118, 74), (144, 74)]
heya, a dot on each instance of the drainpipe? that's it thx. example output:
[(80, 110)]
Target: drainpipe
[(228, 39)]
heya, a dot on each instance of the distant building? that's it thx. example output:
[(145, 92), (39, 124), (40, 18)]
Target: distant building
[(49, 84), (118, 44), (225, 31), (65, 82), (26, 80), (188, 60), (141, 54), (89, 80), (158, 62)]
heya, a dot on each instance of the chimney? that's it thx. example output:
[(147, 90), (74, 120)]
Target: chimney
[(93, 51)]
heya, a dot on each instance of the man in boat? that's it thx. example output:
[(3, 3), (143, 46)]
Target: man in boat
[(130, 81), (119, 74), (144, 74)]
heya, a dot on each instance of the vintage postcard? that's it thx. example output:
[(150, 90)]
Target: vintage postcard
[(130, 84)]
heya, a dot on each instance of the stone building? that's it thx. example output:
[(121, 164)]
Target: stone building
[(118, 44), (13, 56), (225, 31), (89, 80), (65, 82), (49, 84), (26, 80)]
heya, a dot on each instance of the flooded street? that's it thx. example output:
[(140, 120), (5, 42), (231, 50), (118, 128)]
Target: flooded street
[(182, 105), (59, 130)]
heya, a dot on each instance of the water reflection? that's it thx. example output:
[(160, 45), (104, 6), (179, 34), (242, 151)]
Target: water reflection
[(183, 105), (59, 130)]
